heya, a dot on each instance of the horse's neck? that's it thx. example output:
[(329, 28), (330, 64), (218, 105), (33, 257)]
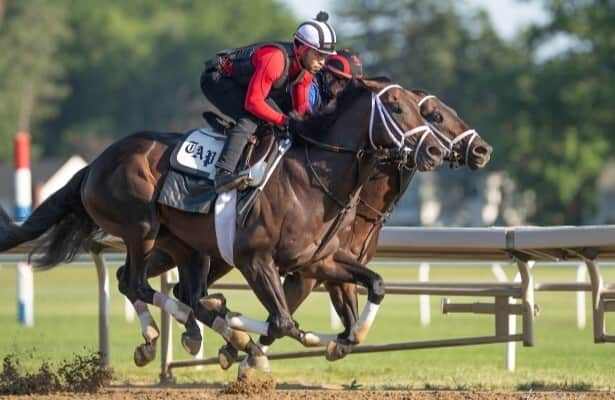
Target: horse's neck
[(325, 171), (340, 172), (378, 197), (380, 193)]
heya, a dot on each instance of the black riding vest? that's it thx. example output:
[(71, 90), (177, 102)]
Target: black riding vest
[(241, 61)]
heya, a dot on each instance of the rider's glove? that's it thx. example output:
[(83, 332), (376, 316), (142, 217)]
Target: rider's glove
[(284, 130)]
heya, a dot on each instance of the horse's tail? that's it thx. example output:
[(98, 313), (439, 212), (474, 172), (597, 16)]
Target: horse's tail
[(63, 221)]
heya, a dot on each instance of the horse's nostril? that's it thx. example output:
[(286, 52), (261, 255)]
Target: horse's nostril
[(481, 150), (434, 151)]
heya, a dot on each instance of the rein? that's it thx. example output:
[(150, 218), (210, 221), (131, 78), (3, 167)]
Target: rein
[(383, 216)]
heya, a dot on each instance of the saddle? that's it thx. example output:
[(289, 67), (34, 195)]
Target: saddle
[(189, 185)]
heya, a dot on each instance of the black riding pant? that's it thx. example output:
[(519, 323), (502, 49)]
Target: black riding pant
[(225, 97)]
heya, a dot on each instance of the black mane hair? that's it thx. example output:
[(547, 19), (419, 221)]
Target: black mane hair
[(420, 92), (319, 123), (380, 79)]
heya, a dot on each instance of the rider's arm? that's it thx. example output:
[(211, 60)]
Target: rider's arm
[(268, 67), (301, 94)]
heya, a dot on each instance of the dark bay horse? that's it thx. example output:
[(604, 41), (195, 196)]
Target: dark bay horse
[(378, 198), (293, 223)]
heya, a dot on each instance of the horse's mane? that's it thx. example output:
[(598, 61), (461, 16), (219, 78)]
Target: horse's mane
[(319, 123), (380, 79), (420, 92)]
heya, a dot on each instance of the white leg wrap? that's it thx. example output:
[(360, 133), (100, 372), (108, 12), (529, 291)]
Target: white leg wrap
[(263, 347), (171, 306), (148, 325), (360, 329), (221, 326), (248, 324)]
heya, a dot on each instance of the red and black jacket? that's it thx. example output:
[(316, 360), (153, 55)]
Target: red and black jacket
[(265, 68)]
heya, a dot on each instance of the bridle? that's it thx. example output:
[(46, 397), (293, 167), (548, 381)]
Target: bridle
[(396, 134), (381, 155), (452, 147)]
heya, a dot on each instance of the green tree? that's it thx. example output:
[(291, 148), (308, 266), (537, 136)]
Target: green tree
[(572, 117), (135, 65), (30, 72), (549, 120)]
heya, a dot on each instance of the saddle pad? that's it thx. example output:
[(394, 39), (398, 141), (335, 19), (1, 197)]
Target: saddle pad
[(197, 153), (187, 193)]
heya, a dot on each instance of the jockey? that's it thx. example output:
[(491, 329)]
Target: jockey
[(327, 84), (240, 84)]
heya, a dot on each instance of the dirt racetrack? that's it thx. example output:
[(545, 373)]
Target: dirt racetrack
[(218, 394)]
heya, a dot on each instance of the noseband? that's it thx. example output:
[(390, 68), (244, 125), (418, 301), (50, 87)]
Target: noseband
[(396, 135), (451, 146)]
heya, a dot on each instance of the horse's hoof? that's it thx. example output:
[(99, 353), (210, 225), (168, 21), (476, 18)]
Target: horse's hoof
[(245, 371), (192, 344), (226, 357), (215, 302), (310, 339), (144, 354), (336, 351), (260, 363)]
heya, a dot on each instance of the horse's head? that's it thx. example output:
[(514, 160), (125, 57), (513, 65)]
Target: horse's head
[(396, 122), (462, 144)]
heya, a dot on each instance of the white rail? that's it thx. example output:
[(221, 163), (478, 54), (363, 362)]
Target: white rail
[(499, 244)]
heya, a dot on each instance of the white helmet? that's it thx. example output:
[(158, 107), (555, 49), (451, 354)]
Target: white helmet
[(317, 34)]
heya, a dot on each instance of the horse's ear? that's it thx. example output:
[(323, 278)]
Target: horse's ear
[(370, 84)]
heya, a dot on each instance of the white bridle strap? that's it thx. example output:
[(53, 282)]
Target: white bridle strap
[(431, 96), (388, 121), (441, 137)]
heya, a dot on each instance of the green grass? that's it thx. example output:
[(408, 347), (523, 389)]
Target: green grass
[(563, 357)]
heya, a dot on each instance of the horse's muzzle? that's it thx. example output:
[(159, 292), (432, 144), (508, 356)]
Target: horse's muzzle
[(431, 158), (479, 155)]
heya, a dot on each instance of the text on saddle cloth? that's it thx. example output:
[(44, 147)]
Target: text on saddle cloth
[(198, 153)]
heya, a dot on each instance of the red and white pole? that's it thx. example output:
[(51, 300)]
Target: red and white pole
[(23, 177), (23, 207)]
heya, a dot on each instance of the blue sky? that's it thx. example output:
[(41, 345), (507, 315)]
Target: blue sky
[(507, 15)]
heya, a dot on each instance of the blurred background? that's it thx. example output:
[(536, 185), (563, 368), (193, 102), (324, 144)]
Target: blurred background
[(535, 78)]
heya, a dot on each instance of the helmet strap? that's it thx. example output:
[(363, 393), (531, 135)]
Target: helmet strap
[(300, 50)]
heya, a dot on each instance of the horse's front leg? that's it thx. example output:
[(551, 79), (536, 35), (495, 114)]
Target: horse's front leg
[(344, 300), (347, 270), (263, 278), (296, 290)]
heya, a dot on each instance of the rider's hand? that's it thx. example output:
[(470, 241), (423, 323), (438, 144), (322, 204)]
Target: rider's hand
[(284, 130)]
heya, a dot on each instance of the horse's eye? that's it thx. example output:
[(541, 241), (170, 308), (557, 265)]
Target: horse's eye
[(395, 108), (437, 117)]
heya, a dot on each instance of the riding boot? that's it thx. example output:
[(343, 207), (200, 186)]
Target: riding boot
[(226, 179)]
